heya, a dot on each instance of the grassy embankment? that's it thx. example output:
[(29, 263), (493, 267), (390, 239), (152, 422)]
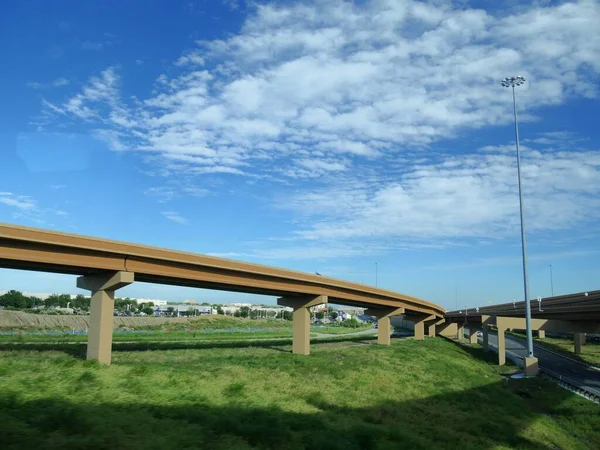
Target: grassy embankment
[(201, 329), (590, 352), (345, 395)]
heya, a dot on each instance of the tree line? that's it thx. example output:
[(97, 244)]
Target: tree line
[(16, 300)]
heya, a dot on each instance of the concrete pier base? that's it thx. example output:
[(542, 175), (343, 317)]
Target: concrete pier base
[(103, 289), (301, 316)]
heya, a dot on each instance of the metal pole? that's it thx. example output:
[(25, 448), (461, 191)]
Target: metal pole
[(523, 243), (551, 282)]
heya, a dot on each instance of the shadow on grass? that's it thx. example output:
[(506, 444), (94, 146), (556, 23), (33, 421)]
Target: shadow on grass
[(476, 351), (448, 421), (79, 349)]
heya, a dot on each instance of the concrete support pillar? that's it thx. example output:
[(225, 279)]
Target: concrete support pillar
[(420, 325), (501, 347), (531, 368), (420, 330), (447, 329), (472, 335), (103, 289), (301, 316), (384, 327), (541, 334), (486, 337), (301, 338), (431, 330), (460, 335), (384, 331), (579, 340)]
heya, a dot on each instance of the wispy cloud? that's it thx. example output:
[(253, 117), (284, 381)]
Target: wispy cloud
[(333, 80), (515, 260), (165, 194), (90, 45), (21, 202), (354, 97), (59, 82), (175, 217)]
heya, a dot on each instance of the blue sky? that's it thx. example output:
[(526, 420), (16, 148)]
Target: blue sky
[(319, 136)]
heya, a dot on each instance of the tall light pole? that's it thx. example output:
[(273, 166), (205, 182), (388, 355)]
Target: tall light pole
[(551, 282), (512, 82)]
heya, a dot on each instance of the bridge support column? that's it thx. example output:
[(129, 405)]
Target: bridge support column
[(420, 330), (445, 328), (579, 340), (541, 334), (420, 325), (501, 347), (301, 333), (460, 335), (384, 327), (431, 330), (472, 335), (486, 337), (103, 287)]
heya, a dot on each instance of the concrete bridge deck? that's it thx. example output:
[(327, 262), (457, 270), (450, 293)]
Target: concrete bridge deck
[(107, 265)]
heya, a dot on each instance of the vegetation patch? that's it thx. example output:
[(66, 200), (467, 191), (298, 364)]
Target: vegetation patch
[(348, 394)]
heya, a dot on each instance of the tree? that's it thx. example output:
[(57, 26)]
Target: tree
[(191, 312), (170, 311), (81, 302), (220, 310), (244, 311), (333, 314), (351, 323), (320, 315), (148, 310), (15, 299), (205, 304), (288, 315), (52, 301)]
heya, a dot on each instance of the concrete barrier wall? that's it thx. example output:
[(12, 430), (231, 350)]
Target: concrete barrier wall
[(16, 319), (398, 321)]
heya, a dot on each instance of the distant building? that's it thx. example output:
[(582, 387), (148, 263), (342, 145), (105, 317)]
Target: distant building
[(182, 310), (148, 300)]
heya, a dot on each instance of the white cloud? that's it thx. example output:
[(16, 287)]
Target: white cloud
[(61, 82), (355, 96), (470, 196), (21, 202), (191, 58), (367, 80), (100, 92), (175, 217)]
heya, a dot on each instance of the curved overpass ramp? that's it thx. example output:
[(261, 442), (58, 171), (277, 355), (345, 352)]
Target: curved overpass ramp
[(106, 265)]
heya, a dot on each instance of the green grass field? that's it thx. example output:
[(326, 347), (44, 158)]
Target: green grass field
[(151, 336), (339, 329), (349, 394)]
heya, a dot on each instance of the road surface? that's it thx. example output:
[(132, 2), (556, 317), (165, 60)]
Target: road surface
[(587, 377)]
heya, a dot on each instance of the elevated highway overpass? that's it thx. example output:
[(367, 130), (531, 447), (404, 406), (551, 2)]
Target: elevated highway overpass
[(574, 313), (103, 266)]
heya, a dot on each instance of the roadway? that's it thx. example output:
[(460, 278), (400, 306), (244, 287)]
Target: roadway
[(587, 377)]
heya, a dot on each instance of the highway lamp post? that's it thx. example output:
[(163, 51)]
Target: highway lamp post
[(512, 82)]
